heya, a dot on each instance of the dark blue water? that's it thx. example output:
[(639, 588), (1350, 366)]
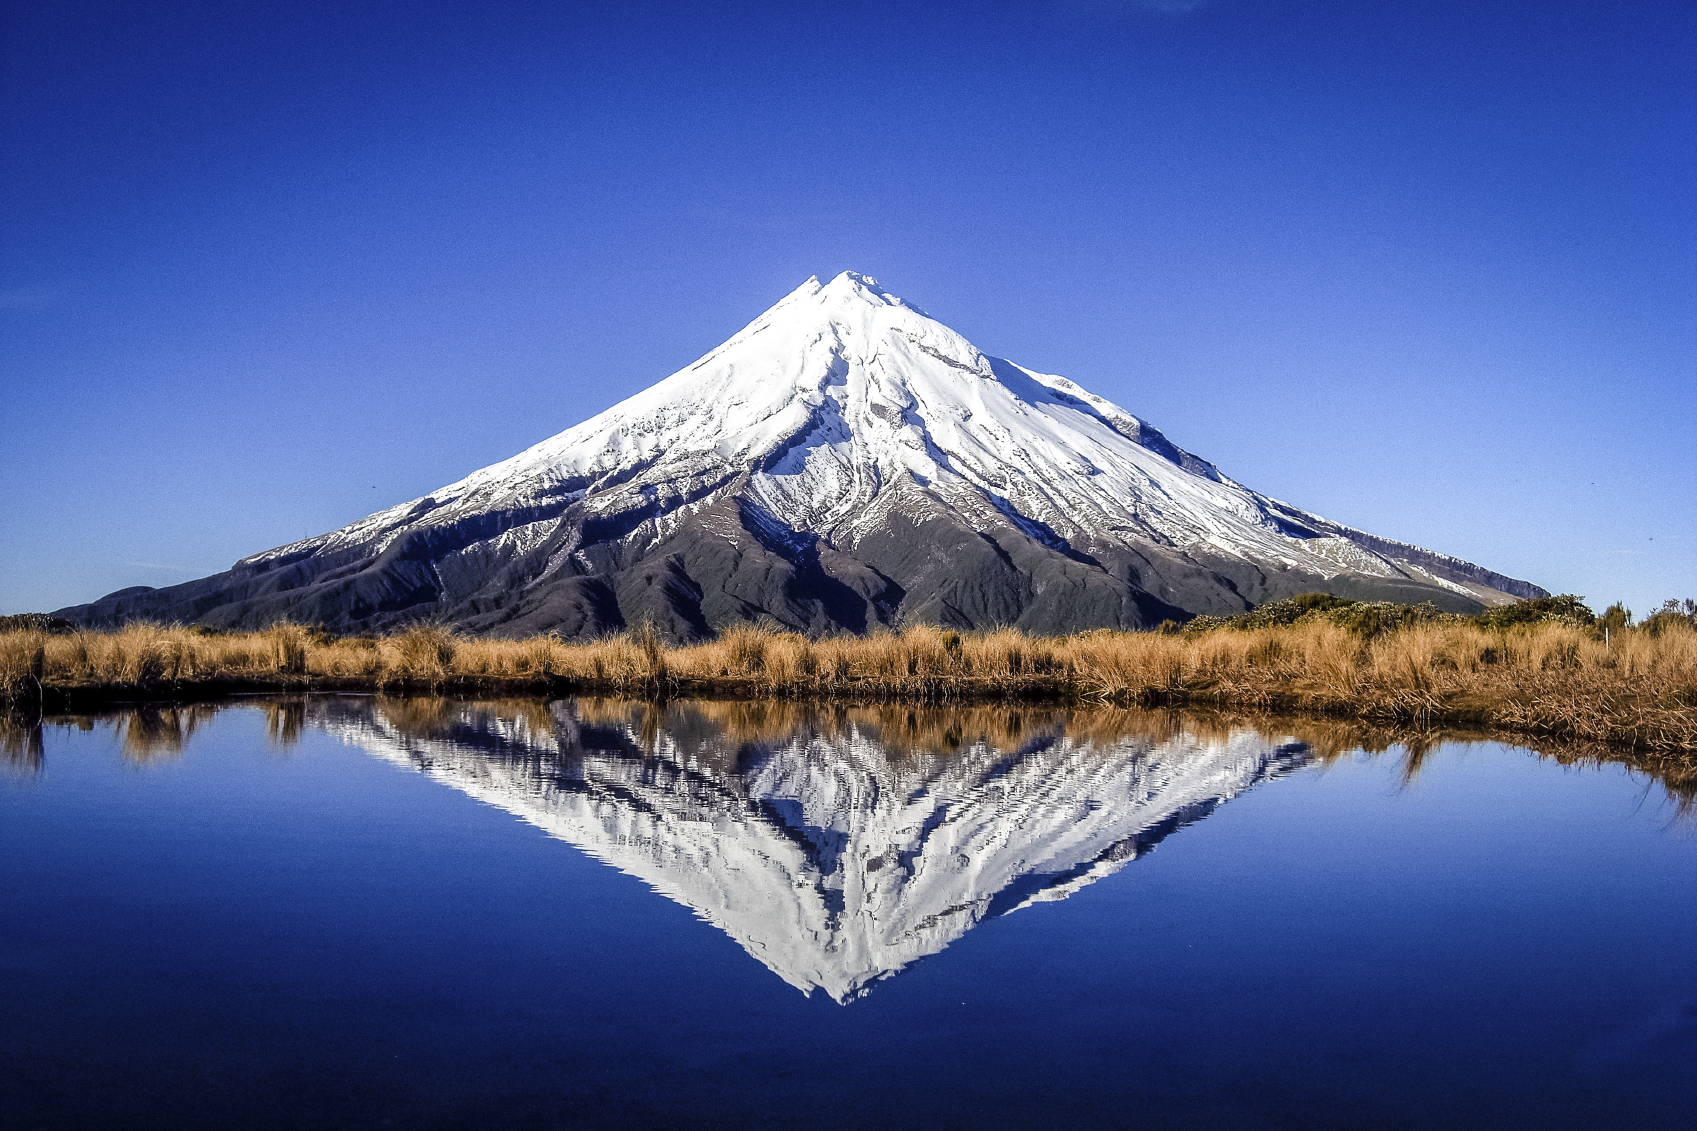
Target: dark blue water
[(352, 914)]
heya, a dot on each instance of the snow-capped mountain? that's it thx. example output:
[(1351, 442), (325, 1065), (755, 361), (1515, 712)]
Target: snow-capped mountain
[(834, 859), (843, 461)]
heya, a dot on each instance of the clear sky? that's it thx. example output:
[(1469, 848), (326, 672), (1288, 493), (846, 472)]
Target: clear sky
[(1429, 269)]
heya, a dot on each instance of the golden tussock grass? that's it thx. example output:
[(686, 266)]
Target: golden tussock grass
[(1639, 688)]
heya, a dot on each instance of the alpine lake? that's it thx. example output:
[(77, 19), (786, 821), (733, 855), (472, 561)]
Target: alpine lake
[(357, 911)]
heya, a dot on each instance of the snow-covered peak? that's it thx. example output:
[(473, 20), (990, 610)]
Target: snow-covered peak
[(835, 301), (843, 404), (853, 286), (840, 396)]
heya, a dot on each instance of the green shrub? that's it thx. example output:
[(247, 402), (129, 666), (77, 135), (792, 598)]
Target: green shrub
[(1367, 618), (36, 622), (1309, 602), (1671, 613), (1565, 609), (1616, 617)]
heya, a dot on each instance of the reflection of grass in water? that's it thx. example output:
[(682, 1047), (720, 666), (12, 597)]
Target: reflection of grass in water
[(20, 745), (900, 728), (284, 719), (720, 729), (424, 716), (1674, 774), (944, 731), (430, 716), (154, 734)]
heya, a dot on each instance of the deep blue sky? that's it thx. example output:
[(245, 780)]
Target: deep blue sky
[(1429, 269)]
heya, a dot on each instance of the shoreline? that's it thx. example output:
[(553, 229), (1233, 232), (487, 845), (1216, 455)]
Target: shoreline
[(1636, 691), (1620, 732)]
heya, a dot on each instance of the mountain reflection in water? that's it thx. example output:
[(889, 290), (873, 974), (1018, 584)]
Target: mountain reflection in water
[(837, 846), (263, 912)]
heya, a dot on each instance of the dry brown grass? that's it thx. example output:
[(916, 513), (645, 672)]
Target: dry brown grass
[(1639, 689)]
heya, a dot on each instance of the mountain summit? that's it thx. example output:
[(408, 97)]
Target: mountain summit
[(844, 461)]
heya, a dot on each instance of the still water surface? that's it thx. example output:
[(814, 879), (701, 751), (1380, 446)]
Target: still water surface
[(361, 912)]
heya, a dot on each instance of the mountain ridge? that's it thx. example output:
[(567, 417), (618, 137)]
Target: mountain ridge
[(842, 462)]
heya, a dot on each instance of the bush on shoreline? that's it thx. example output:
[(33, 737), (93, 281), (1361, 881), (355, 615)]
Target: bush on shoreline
[(1370, 618)]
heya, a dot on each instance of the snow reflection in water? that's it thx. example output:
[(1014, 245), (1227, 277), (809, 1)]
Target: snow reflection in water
[(837, 846)]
